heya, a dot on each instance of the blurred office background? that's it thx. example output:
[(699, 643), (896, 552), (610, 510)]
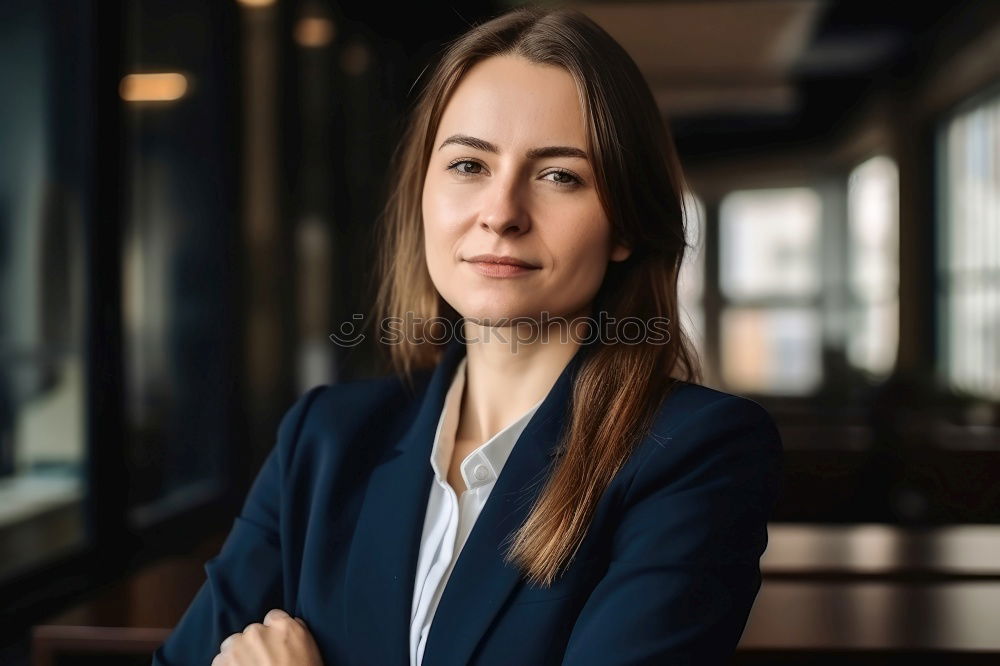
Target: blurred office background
[(187, 195)]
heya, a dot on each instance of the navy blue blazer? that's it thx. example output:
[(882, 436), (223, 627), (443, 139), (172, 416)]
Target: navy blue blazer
[(330, 532)]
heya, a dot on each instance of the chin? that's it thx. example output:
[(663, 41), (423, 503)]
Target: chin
[(496, 314)]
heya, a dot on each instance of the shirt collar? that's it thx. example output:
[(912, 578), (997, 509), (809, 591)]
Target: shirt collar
[(483, 465)]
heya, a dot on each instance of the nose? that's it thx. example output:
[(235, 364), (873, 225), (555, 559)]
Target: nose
[(504, 211)]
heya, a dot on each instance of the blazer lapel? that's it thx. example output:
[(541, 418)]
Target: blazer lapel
[(481, 581), (381, 566)]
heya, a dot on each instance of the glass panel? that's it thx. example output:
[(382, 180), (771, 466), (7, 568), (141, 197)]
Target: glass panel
[(769, 243), (42, 207), (771, 350), (970, 266), (873, 275), (873, 336), (177, 235), (974, 345)]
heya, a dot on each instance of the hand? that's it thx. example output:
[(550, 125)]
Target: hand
[(280, 641)]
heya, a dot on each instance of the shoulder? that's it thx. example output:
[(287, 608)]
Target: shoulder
[(342, 408), (690, 407), (361, 397), (703, 435), (696, 402), (689, 403)]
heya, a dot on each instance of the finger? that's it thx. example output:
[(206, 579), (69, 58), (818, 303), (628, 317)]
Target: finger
[(302, 622), (273, 615), (227, 642), (252, 629)]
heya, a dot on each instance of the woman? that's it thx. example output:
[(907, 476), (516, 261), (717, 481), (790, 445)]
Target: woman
[(628, 521)]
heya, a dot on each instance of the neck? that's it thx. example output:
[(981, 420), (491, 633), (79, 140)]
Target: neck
[(509, 370)]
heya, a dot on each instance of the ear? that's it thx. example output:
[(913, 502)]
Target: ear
[(620, 252)]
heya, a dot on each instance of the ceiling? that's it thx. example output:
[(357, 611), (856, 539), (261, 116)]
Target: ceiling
[(735, 75), (731, 76), (715, 57)]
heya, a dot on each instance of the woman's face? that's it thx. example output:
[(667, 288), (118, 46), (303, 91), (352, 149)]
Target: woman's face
[(491, 190)]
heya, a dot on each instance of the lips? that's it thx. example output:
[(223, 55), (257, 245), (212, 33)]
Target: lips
[(501, 259)]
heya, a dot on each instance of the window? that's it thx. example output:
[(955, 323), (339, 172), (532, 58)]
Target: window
[(873, 270), (43, 457), (969, 248), (178, 235), (770, 324)]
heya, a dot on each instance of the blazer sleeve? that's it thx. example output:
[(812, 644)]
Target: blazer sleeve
[(244, 580), (684, 570)]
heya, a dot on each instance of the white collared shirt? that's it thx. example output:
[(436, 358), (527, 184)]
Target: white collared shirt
[(449, 519)]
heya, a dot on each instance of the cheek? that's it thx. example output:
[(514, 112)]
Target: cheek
[(439, 244), (442, 216), (584, 246), (433, 222)]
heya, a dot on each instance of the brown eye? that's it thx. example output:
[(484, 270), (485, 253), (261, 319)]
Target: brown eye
[(454, 167), (566, 179)]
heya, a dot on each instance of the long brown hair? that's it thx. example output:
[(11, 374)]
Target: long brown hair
[(619, 387)]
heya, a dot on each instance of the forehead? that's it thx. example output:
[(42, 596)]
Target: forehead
[(511, 101)]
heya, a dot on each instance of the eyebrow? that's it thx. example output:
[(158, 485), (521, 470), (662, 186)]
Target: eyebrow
[(532, 154)]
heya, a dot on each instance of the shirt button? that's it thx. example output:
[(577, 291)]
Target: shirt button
[(481, 473)]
